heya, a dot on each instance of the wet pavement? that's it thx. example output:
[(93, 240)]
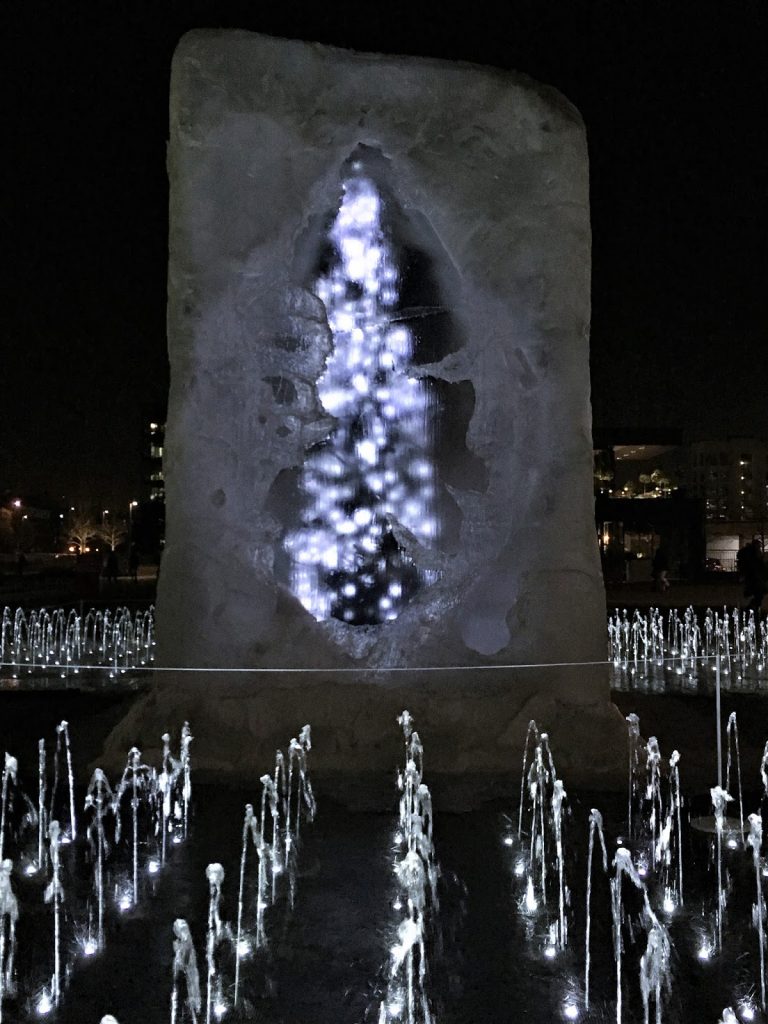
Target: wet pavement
[(327, 958)]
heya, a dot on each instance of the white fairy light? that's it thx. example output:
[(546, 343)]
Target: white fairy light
[(373, 471)]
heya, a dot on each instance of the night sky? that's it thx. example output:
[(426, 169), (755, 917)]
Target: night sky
[(675, 99)]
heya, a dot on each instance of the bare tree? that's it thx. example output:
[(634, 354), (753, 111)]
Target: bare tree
[(661, 481), (82, 530), (112, 534)]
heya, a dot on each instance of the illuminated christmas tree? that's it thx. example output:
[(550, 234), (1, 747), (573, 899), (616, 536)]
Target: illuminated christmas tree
[(372, 480)]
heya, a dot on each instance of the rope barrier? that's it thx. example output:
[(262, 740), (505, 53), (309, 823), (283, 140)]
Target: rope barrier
[(622, 663)]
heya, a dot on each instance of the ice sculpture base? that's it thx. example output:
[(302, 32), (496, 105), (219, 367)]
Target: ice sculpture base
[(473, 727)]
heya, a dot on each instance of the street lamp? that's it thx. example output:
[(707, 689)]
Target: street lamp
[(131, 506)]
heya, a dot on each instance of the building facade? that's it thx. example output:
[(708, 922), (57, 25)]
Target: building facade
[(154, 477), (731, 477), (726, 478)]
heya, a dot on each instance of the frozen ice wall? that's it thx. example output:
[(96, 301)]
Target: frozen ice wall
[(287, 453)]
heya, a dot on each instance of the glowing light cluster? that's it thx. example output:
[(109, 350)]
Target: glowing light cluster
[(44, 1004), (374, 475), (705, 950)]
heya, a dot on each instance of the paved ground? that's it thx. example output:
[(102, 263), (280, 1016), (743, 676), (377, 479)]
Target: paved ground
[(327, 957), (89, 589), (680, 594)]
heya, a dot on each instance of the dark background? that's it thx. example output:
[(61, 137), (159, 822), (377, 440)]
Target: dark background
[(674, 96)]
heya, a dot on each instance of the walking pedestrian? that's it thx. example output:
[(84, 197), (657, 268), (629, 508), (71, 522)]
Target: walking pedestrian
[(753, 572)]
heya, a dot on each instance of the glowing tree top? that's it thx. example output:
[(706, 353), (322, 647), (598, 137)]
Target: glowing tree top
[(371, 483)]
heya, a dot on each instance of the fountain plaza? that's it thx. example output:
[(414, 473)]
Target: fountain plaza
[(400, 897), (380, 761)]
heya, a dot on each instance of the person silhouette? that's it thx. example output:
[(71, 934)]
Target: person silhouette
[(133, 563), (110, 567), (661, 569), (753, 572)]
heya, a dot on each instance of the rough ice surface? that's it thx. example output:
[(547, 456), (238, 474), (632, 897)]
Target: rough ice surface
[(482, 180)]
